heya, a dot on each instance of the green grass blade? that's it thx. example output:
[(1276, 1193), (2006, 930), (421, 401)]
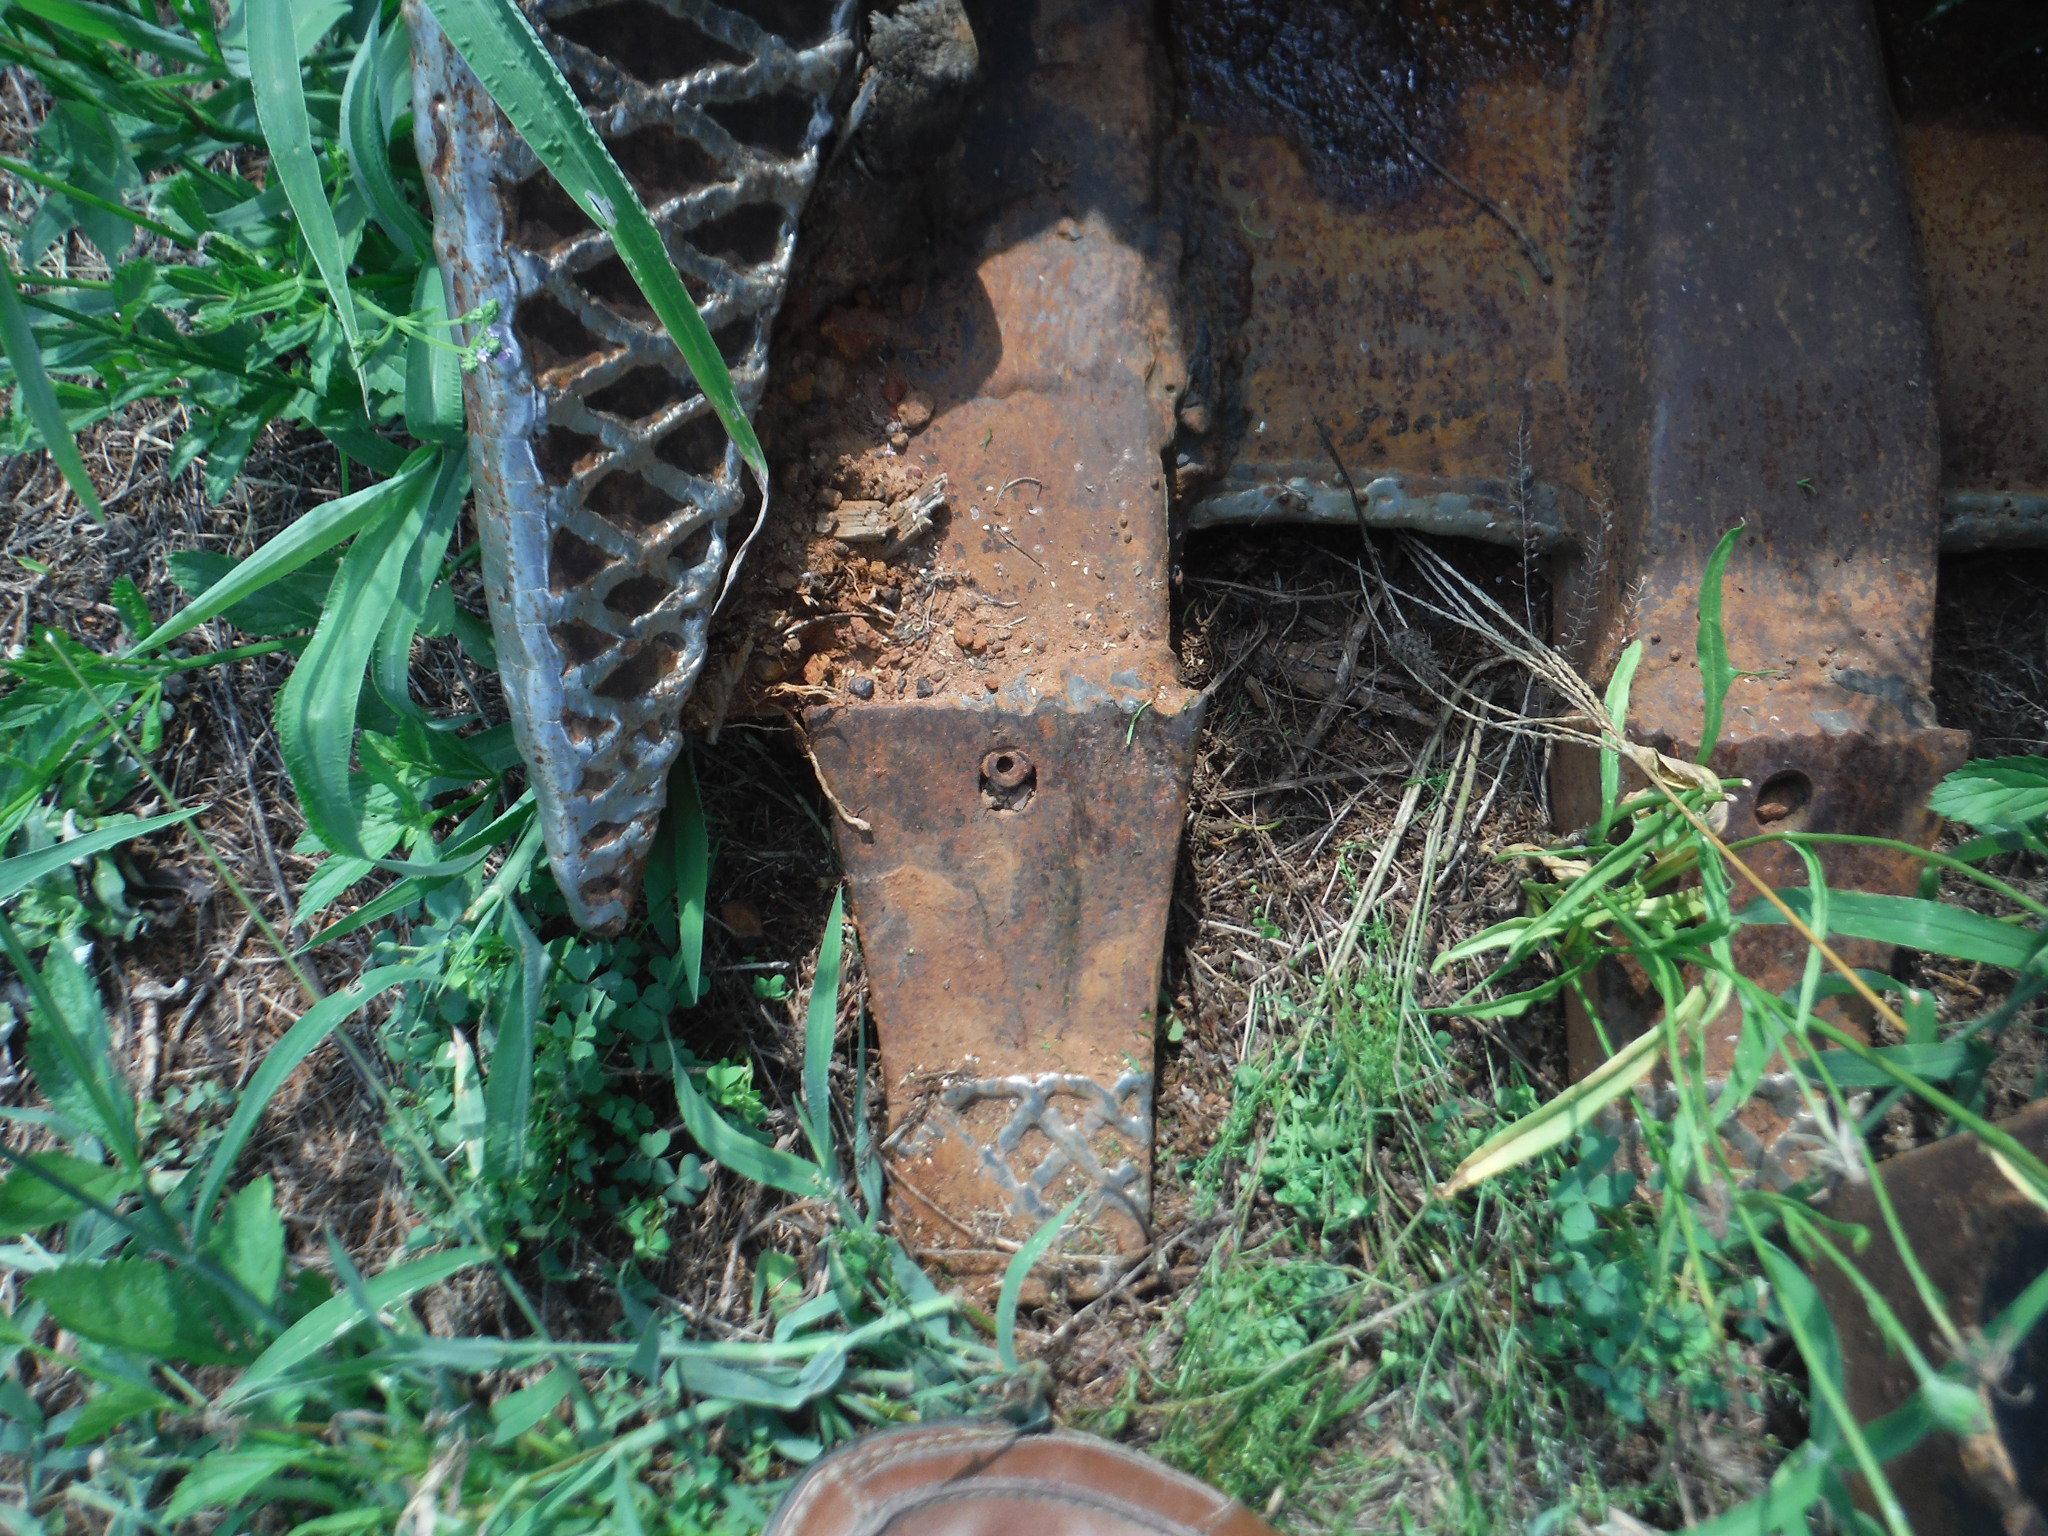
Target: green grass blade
[(334, 1317), (25, 869), (433, 367), (1717, 674), (504, 52), (316, 711), (283, 1058), (105, 24), (1617, 711), (692, 846), (1022, 1262), (37, 396), (1911, 923), (508, 1087), (369, 151), (733, 1149), (304, 541), (821, 1027), (275, 74), (1561, 1117)]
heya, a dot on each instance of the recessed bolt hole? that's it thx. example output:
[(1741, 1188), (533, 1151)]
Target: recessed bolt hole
[(1783, 798), (1008, 779)]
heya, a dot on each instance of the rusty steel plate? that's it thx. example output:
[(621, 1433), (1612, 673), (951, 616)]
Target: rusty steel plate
[(1980, 1241), (1013, 791), (1011, 888), (605, 486), (1388, 204), (1394, 207), (1757, 351)]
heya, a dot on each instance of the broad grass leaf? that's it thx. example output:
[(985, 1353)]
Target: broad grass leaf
[(517, 1412), (70, 1049), (1717, 675), (364, 141), (1938, 1063), (1995, 795), (320, 1328), (117, 1404), (276, 65), (223, 1478), (392, 659), (44, 1189), (679, 879), (137, 1304), (1814, 1331), (283, 1058), (23, 870), (106, 24), (508, 1087), (1022, 1262), (308, 538), (36, 396), (433, 366), (317, 709), (821, 1027), (1910, 923), (1617, 711), (729, 1147)]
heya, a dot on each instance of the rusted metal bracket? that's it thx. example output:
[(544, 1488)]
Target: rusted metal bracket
[(605, 487), (1010, 829)]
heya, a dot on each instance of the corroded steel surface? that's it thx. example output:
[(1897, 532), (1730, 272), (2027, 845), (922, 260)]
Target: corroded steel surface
[(1972, 97), (604, 484), (1757, 353), (1023, 804), (1981, 1241), (1389, 199), (1384, 190), (1011, 891)]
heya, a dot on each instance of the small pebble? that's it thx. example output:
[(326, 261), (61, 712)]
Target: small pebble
[(861, 687), (924, 687)]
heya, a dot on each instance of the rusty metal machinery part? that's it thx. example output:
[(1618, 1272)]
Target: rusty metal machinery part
[(1980, 1241), (1375, 266), (605, 486), (1756, 350), (1009, 830)]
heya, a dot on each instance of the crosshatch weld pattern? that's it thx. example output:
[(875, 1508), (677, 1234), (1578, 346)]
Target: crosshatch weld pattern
[(1054, 1131), (606, 487)]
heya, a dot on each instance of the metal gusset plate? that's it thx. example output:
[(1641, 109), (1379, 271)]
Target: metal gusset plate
[(606, 490), (1010, 826), (1757, 350)]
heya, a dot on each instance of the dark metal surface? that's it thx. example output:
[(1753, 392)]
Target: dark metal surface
[(604, 484), (1757, 352), (1980, 1241), (1022, 811)]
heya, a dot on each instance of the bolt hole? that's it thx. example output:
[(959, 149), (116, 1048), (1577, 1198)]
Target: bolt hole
[(1008, 779), (1783, 798)]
